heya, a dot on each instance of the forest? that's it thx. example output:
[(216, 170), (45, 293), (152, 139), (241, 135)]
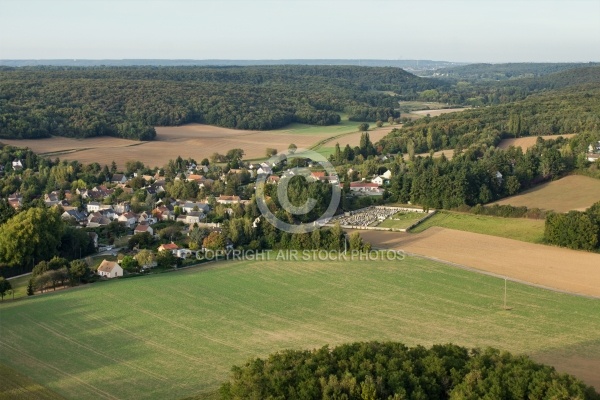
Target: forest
[(389, 370), (128, 102), (565, 111)]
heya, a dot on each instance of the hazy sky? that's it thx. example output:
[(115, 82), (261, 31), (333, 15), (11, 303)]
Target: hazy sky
[(472, 30)]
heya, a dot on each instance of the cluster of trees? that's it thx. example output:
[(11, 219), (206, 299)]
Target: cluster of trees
[(575, 229), (58, 272), (477, 176), (359, 153), (373, 370), (129, 101), (39, 234)]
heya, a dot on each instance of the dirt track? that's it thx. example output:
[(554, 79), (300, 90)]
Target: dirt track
[(553, 267)]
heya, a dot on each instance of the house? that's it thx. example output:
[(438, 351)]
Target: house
[(367, 188), (273, 179), (17, 165), (110, 269), (195, 178), (15, 200), (228, 199), (189, 206), (52, 199), (387, 174), (193, 217), (128, 219), (172, 247), (142, 228), (317, 175), (74, 214), (121, 208), (96, 221), (264, 170), (593, 157), (379, 180), (93, 206), (118, 178), (164, 213)]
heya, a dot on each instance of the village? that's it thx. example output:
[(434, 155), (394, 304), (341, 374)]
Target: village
[(107, 207)]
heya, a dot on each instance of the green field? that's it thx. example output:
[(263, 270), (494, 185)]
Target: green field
[(345, 126), (174, 335), (15, 386), (19, 285), (527, 230), (401, 220)]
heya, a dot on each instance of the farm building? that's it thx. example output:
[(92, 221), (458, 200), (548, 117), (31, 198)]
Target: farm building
[(110, 269)]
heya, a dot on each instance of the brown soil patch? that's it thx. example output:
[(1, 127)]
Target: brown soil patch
[(553, 267), (573, 192), (529, 141)]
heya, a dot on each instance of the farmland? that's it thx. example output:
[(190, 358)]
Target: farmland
[(527, 230), (195, 140), (401, 220), (15, 386), (529, 141), (173, 335), (554, 267), (573, 192)]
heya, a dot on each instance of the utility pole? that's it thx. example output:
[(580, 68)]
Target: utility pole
[(505, 283)]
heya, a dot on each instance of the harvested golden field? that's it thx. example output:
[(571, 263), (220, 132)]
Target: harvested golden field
[(529, 141), (194, 140), (573, 192), (435, 113), (553, 267)]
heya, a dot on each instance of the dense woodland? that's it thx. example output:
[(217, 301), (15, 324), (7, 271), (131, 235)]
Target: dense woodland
[(369, 371), (129, 101)]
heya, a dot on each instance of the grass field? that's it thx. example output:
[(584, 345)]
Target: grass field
[(174, 335), (19, 285), (15, 386), (401, 220), (573, 192), (527, 230)]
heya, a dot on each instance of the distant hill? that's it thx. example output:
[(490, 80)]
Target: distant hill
[(503, 72), (409, 65)]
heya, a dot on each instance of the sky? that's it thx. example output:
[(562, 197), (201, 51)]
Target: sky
[(459, 31)]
